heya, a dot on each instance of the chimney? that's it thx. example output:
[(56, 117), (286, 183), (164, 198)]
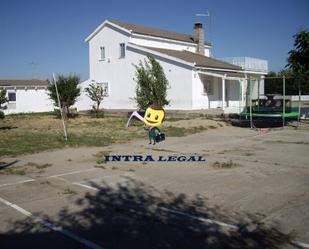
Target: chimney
[(199, 38)]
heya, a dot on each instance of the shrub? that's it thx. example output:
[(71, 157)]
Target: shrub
[(96, 93), (3, 98), (2, 115)]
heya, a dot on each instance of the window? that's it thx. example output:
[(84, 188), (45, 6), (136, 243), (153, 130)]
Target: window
[(102, 53), (207, 87), (12, 97), (105, 88), (122, 50)]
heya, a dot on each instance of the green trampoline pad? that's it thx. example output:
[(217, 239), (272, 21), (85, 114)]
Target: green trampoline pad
[(271, 115)]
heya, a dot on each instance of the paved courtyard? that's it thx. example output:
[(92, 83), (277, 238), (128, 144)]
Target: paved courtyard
[(251, 192)]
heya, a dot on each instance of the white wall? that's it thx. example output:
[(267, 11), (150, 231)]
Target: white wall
[(118, 72), (83, 102), (199, 99), (165, 43), (29, 100)]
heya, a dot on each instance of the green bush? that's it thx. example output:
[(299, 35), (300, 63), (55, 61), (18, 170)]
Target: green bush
[(1, 115), (72, 114), (97, 112)]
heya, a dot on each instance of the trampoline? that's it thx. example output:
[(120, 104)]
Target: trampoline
[(268, 110)]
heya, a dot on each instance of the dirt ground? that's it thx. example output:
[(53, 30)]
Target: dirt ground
[(251, 192)]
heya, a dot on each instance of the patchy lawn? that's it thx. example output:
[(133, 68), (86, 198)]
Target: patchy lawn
[(22, 134)]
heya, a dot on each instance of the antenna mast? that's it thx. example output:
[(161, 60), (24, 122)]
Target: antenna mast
[(207, 14)]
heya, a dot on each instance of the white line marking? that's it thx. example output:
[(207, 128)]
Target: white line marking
[(16, 183), (111, 175), (100, 178), (209, 221), (163, 184), (72, 173), (299, 244), (85, 186), (87, 243)]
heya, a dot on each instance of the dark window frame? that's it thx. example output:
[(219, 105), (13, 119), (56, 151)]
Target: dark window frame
[(122, 50), (10, 98)]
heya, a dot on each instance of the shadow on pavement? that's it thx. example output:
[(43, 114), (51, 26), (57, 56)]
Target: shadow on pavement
[(131, 216)]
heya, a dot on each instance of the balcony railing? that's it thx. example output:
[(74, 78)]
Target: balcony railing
[(248, 63)]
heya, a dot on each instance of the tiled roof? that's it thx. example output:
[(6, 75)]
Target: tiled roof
[(33, 82), (199, 60), (138, 29)]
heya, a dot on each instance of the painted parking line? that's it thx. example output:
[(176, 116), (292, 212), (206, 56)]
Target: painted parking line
[(67, 233), (16, 183), (52, 176), (297, 243), (72, 173), (209, 221), (126, 174), (85, 186), (60, 176)]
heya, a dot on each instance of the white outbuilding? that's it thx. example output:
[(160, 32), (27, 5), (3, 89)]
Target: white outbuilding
[(26, 96)]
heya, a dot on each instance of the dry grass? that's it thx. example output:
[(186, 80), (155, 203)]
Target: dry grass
[(225, 165), (22, 134), (28, 134), (30, 167)]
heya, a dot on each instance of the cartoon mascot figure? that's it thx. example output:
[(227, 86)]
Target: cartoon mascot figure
[(154, 116)]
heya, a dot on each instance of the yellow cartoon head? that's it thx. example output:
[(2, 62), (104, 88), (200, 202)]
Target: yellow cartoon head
[(154, 115)]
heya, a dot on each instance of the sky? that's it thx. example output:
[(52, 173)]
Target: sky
[(39, 37)]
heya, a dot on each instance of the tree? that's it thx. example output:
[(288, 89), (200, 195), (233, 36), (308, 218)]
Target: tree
[(3, 98), (96, 93), (285, 72), (273, 83), (68, 90), (298, 60), (271, 74), (151, 84)]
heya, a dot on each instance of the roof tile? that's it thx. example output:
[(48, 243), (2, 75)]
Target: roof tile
[(138, 29), (199, 60), (33, 82)]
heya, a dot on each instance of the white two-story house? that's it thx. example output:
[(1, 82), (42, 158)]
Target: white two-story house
[(196, 81)]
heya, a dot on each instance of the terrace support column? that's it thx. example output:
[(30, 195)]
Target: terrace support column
[(223, 93), (241, 98), (246, 84), (242, 93)]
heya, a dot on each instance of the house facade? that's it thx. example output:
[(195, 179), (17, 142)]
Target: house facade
[(196, 81), (26, 96)]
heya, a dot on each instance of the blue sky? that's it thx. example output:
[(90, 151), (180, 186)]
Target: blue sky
[(39, 37)]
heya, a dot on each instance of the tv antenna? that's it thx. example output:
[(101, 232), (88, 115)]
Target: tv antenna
[(33, 65), (207, 15)]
